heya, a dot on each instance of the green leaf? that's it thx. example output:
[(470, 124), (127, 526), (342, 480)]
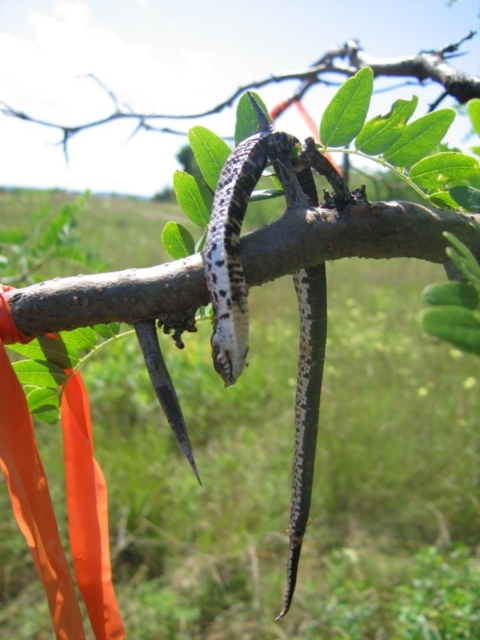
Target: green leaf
[(346, 113), (276, 182), (456, 325), (47, 414), (205, 312), (107, 331), (379, 133), (463, 258), (247, 122), (467, 197), (471, 275), (473, 109), (177, 240), (458, 294), (265, 194), (474, 181), (210, 152), (39, 374), (461, 248), (443, 200), (434, 172), (50, 349), (419, 138), (476, 150), (200, 243), (83, 338), (43, 403), (193, 197)]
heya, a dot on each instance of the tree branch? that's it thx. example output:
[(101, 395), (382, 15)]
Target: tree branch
[(427, 65), (344, 60), (299, 239)]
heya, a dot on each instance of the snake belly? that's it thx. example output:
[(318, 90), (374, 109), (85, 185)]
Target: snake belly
[(223, 268)]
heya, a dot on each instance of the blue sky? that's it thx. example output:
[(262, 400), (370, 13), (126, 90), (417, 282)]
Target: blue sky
[(182, 56)]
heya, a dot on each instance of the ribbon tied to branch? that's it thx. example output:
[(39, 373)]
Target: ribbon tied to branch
[(86, 495)]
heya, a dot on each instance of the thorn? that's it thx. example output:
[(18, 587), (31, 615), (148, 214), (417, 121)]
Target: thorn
[(264, 124), (294, 194), (64, 145), (140, 125), (163, 385)]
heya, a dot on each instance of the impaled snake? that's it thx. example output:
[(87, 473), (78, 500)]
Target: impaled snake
[(228, 291)]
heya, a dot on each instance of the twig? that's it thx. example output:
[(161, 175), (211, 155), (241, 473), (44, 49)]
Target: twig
[(344, 60), (299, 239)]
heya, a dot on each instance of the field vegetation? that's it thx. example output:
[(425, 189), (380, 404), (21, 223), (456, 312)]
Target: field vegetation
[(391, 551)]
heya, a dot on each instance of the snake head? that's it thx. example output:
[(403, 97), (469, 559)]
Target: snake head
[(228, 364)]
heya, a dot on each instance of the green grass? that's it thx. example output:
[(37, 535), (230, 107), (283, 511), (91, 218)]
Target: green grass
[(397, 475)]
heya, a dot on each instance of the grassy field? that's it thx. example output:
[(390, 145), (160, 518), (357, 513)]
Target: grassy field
[(391, 549)]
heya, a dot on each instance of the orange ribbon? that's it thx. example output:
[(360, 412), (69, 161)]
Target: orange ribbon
[(32, 505), (87, 506), (307, 118)]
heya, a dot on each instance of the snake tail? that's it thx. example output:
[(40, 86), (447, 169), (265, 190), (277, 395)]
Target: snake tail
[(311, 289)]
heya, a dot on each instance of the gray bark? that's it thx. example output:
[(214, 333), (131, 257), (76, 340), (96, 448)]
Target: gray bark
[(301, 238)]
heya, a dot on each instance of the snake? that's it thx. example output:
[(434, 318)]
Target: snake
[(228, 291)]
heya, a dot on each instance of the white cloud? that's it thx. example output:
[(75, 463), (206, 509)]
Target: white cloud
[(42, 74), (75, 12), (42, 79)]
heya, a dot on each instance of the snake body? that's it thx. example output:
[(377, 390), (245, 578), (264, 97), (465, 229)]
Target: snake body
[(228, 292), (311, 290), (223, 267)]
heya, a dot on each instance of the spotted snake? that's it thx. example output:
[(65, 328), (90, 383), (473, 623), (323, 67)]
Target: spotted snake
[(229, 295)]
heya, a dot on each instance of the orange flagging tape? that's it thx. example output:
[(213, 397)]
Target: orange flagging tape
[(282, 106), (279, 109), (307, 118), (32, 506), (88, 514)]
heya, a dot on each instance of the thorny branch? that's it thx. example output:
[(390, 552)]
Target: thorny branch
[(344, 60), (299, 239)]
